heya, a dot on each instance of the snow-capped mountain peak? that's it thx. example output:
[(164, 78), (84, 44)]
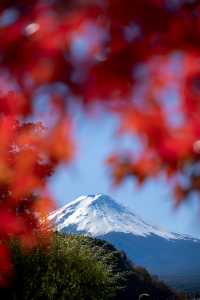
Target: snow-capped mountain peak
[(168, 255), (99, 214)]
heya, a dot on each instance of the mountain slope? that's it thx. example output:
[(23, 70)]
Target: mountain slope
[(99, 214), (173, 257)]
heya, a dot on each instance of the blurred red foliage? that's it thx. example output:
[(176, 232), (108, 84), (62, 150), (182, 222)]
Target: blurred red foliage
[(139, 58)]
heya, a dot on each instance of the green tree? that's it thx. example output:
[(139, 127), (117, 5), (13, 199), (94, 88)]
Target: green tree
[(66, 270)]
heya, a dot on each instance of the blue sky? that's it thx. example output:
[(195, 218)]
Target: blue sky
[(96, 138)]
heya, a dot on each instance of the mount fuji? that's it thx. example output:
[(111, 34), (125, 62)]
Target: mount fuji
[(173, 257)]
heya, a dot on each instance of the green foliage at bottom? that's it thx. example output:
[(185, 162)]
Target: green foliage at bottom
[(66, 270), (80, 268)]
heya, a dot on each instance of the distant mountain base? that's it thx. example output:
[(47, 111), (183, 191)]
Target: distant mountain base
[(177, 262)]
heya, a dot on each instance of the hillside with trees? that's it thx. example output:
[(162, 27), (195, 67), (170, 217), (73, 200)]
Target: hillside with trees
[(79, 268)]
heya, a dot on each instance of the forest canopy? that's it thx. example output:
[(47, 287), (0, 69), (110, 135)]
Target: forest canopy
[(79, 268)]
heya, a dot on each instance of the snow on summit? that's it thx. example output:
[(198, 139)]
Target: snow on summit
[(99, 214)]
